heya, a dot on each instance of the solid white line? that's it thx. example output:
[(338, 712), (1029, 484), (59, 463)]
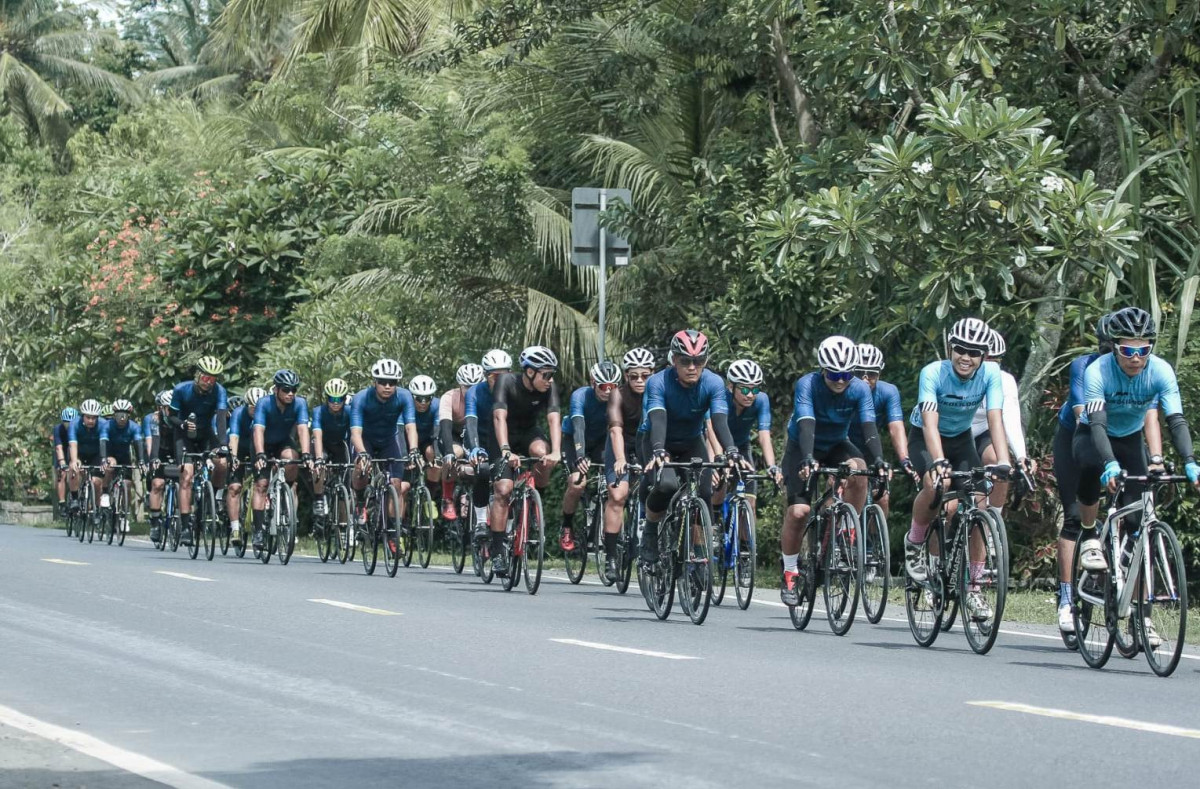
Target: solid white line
[(128, 761), (1103, 720), (67, 561), (184, 576), (626, 650), (352, 607)]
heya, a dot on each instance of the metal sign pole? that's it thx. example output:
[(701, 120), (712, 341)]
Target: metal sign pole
[(603, 277)]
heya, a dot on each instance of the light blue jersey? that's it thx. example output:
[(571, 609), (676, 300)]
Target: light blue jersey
[(956, 400), (1126, 400)]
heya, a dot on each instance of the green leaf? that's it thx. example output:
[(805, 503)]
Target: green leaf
[(1060, 35)]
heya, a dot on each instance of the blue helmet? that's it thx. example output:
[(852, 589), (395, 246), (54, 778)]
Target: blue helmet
[(69, 414)]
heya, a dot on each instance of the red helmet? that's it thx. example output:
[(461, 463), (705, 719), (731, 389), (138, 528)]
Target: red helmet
[(689, 342)]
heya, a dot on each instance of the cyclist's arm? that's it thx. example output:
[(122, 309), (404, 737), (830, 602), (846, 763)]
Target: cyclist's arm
[(470, 419), (767, 448), (103, 441), (410, 437), (500, 410), (357, 440), (408, 414), (74, 447), (720, 426), (1152, 431), (710, 438), (554, 420), (304, 436), (616, 424), (929, 428), (402, 439), (995, 418), (1013, 429), (318, 440), (867, 424), (223, 427), (899, 439), (1172, 405), (259, 438)]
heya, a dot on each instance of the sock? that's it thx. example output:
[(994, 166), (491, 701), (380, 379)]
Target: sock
[(791, 562), (62, 502), (567, 519), (610, 544), (260, 517), (481, 514), (916, 532), (235, 524), (976, 571), (1064, 593), (497, 542), (447, 489)]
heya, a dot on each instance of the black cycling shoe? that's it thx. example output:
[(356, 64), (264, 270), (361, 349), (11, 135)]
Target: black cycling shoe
[(259, 539), (500, 564), (610, 569), (648, 553)]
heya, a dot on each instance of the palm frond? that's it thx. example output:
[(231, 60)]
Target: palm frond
[(622, 163), (385, 215), (88, 76), (23, 85), (552, 238), (570, 332)]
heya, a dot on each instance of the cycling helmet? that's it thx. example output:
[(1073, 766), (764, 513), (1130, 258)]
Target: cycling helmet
[(387, 368), (638, 357), (164, 397), (837, 354), (1101, 328), (970, 332), (997, 347), (254, 394), (422, 386), (106, 410), (539, 357), (605, 373), (235, 402), (68, 414), (496, 359), (744, 372), (870, 358), (122, 405), (469, 375), (288, 379), (689, 342), (90, 408), (210, 365), (1131, 323), (336, 388)]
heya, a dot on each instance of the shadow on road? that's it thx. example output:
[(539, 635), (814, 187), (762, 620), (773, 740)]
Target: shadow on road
[(35, 778), (1081, 667)]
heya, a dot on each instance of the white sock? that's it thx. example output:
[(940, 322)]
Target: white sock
[(235, 525), (791, 562), (481, 514)]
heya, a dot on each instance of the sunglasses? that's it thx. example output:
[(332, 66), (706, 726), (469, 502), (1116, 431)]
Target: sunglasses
[(336, 400), (423, 399), (1132, 351), (750, 390), (606, 387), (286, 389), (692, 361), (839, 377), (547, 375), (962, 350), (387, 382), (868, 373), (639, 376)]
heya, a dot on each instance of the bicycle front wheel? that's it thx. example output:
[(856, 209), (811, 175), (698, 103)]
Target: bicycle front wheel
[(875, 577), (1162, 604), (422, 521), (596, 533), (535, 542), (208, 520), (388, 525), (286, 536), (924, 603), (368, 535), (1093, 636), (720, 559), (746, 558), (341, 516), (108, 522), (323, 534), (695, 551), (626, 547), (807, 585), (576, 558), (982, 581), (121, 512), (842, 562)]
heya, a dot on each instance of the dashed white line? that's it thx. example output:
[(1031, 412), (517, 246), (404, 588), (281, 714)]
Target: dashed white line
[(1083, 717), (67, 561), (184, 576), (627, 650), (352, 607)]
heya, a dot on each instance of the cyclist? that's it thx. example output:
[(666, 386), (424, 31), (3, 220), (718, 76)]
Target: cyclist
[(159, 436), (585, 432), (824, 404), (280, 432), (749, 412), (61, 439), (673, 409), (949, 392), (888, 411), (517, 406), (120, 442), (193, 406), (452, 418), (383, 425), (241, 444), (331, 437), (83, 446), (624, 416), (1013, 429), (480, 431), (427, 404)]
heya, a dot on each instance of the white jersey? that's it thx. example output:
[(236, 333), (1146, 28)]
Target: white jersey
[(1012, 417)]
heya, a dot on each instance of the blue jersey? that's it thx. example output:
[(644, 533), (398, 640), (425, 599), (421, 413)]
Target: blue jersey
[(956, 401), (427, 423), (886, 398), (686, 407), (379, 418), (478, 403), (149, 425), (121, 437), (756, 416), (188, 399), (62, 434), (277, 423), (1126, 400), (87, 439), (241, 424), (333, 427), (1079, 365), (832, 412), (594, 411)]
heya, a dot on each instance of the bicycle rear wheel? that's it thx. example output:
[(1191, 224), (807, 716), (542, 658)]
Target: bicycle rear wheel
[(342, 518), (108, 522), (535, 542), (389, 526), (323, 534), (807, 585), (194, 547), (121, 512), (596, 533), (288, 525), (875, 577), (695, 568), (90, 513), (245, 513), (1163, 602), (660, 576), (576, 558), (175, 528), (626, 547), (1093, 636), (983, 581), (406, 532), (842, 563), (458, 531)]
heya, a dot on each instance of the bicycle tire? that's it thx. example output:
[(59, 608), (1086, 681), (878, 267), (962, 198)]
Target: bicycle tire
[(576, 558), (876, 575), (211, 522), (535, 543), (244, 510), (721, 553), (509, 579), (992, 581), (841, 585), (745, 565), (285, 538), (801, 613), (1163, 600), (194, 547), (424, 528), (390, 500), (90, 511), (694, 576), (121, 512), (175, 524), (596, 534), (405, 531), (1094, 636), (925, 614), (341, 511), (456, 532), (626, 546), (108, 527), (322, 532), (70, 522)]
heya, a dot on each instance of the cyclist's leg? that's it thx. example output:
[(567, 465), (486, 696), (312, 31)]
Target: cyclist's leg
[(186, 470), (1088, 467), (618, 494), (923, 510), (576, 484), (987, 456), (1066, 475), (106, 481), (854, 489), (258, 501), (795, 517)]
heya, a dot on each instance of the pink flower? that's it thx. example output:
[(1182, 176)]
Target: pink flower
[(162, 340)]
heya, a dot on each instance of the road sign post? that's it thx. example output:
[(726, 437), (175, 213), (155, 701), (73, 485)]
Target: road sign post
[(593, 245)]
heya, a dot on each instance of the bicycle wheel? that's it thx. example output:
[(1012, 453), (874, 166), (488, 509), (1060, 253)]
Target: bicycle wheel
[(368, 534), (596, 533), (388, 526), (746, 561), (1163, 602), (285, 537), (341, 514), (802, 613), (576, 558), (90, 512), (423, 520), (322, 535), (121, 512), (694, 572), (456, 531), (660, 576), (535, 542), (875, 577), (246, 515), (406, 531), (842, 563), (721, 553), (1125, 636), (924, 603), (982, 585), (208, 520), (626, 547), (224, 531), (175, 527), (1093, 636), (108, 522)]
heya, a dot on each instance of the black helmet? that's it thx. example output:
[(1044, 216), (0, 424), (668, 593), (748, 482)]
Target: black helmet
[(287, 379), (1131, 323)]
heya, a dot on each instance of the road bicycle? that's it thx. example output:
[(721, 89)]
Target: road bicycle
[(114, 520), (279, 517), (457, 532), (334, 532), (875, 576), (525, 531), (735, 547), (376, 519), (204, 506), (584, 534), (1144, 590), (84, 512), (631, 530), (419, 517)]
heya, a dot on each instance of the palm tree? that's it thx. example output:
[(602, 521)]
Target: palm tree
[(44, 48)]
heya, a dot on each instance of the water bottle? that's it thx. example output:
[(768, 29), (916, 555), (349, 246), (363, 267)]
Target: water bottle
[(1127, 551), (193, 431)]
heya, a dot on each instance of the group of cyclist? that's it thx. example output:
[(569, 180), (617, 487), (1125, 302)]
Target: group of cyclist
[(632, 416)]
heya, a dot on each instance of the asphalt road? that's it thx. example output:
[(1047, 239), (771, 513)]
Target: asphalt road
[(118, 664)]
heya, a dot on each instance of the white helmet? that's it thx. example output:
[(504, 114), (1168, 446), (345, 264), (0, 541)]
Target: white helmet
[(496, 359), (387, 368), (469, 375), (997, 347), (744, 372), (638, 357), (122, 405), (165, 397), (605, 373), (870, 358), (253, 395), (90, 408), (837, 354), (422, 386), (971, 332), (539, 357)]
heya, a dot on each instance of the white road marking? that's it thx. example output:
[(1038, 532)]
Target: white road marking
[(120, 758), (67, 561), (352, 607), (1103, 720), (626, 650), (184, 576)]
